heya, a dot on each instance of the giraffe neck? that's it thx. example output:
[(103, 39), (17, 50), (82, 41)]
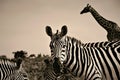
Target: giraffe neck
[(106, 24)]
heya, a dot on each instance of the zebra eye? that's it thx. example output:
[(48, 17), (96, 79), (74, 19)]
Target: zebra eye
[(51, 46), (51, 51), (63, 50), (52, 54)]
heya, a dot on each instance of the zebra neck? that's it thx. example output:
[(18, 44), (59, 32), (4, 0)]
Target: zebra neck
[(76, 58)]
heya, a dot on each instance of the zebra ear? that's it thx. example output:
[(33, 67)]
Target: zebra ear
[(49, 31), (63, 30), (18, 62), (46, 61)]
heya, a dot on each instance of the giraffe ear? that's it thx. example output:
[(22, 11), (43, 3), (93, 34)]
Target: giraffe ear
[(63, 30), (49, 31)]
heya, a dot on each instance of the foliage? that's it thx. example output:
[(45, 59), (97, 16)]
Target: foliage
[(35, 67)]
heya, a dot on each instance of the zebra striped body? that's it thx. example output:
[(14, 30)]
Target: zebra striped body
[(49, 73), (66, 77), (88, 62), (9, 71)]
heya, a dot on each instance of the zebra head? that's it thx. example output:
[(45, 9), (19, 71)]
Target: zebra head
[(58, 43)]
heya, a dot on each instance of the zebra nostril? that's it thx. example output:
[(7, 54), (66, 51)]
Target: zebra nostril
[(56, 58), (25, 75), (63, 50)]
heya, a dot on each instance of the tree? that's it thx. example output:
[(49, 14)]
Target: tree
[(32, 56), (20, 54)]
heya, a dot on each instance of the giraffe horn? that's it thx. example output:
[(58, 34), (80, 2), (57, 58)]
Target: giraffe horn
[(88, 5)]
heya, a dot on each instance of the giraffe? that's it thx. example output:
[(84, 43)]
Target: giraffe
[(112, 28)]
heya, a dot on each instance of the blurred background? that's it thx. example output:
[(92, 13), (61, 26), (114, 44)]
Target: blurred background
[(23, 22)]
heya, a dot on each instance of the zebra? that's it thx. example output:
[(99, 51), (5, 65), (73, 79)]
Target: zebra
[(10, 71), (62, 72), (87, 62), (51, 74)]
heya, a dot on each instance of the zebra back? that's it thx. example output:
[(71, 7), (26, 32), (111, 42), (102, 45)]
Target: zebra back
[(10, 71), (104, 44)]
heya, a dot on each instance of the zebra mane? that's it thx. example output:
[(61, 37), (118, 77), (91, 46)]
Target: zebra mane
[(75, 40), (8, 62), (17, 63), (6, 59)]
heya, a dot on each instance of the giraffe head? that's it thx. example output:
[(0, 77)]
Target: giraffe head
[(86, 9)]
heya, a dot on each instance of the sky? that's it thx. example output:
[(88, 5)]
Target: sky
[(23, 22)]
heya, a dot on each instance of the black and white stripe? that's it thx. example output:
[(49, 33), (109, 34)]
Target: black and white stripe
[(10, 71), (88, 62), (49, 73), (101, 44)]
